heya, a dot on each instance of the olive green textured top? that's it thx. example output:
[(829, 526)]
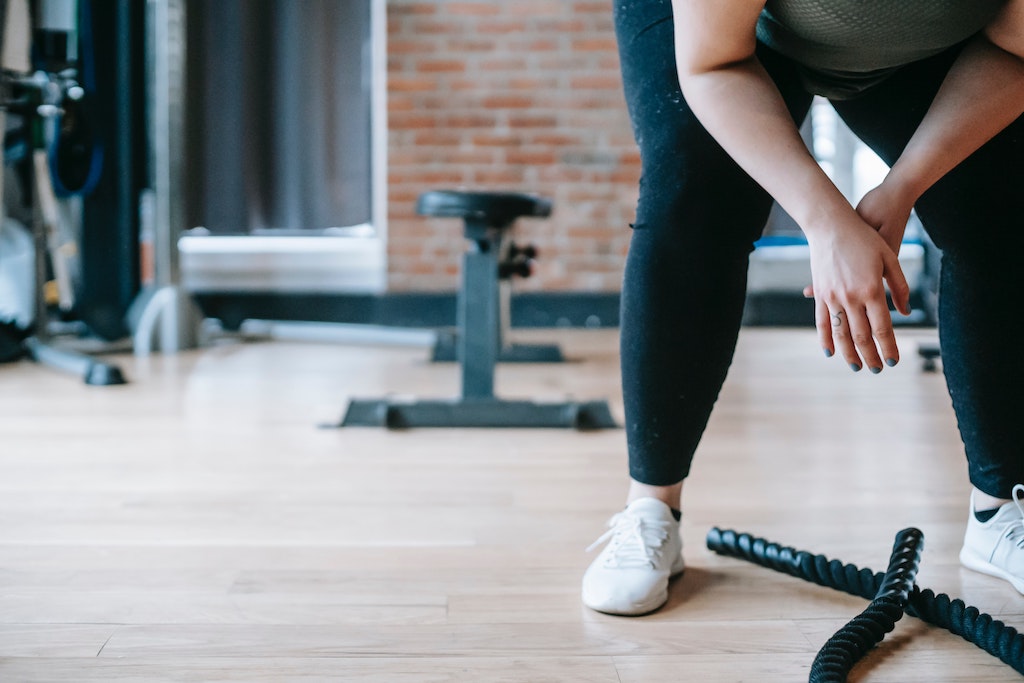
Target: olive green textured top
[(845, 46)]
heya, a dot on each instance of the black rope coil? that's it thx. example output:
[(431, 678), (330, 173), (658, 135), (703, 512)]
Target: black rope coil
[(848, 646), (904, 560), (968, 622)]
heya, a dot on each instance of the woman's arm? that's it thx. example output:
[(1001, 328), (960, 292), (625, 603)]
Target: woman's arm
[(737, 102), (981, 95), (734, 98)]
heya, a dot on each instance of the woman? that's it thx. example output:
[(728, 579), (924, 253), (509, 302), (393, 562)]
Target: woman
[(716, 90)]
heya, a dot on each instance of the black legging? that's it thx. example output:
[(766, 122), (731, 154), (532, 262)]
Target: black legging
[(699, 215)]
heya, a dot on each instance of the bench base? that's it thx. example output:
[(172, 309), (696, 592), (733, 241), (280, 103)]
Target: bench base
[(590, 415)]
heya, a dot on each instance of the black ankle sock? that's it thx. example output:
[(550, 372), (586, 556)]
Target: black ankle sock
[(985, 515), (677, 514)]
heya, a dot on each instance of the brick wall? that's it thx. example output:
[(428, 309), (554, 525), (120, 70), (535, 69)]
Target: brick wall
[(520, 95)]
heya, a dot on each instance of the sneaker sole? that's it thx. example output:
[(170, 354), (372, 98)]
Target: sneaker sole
[(645, 608), (975, 562)]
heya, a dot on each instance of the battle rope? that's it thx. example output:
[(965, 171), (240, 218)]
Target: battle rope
[(954, 615), (842, 651)]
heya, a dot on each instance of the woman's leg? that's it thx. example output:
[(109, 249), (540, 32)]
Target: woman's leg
[(682, 302), (975, 215), (685, 278)]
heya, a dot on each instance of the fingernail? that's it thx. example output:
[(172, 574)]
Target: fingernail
[(854, 367), (828, 353), (875, 371), (891, 362)]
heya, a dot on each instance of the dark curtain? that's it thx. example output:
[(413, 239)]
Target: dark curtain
[(278, 115)]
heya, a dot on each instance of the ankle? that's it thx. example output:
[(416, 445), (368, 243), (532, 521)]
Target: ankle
[(983, 501), (669, 495)]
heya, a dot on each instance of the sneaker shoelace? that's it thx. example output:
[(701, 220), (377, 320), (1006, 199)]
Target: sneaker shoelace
[(633, 542), (1015, 529)]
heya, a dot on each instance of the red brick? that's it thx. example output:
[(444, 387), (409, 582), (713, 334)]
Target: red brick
[(407, 46), (496, 140), (466, 157), (441, 66), (437, 137), (561, 26), (534, 45), (533, 157), (504, 64), (418, 84), (604, 44), (510, 101), (546, 121), (501, 27), (509, 178), (434, 28), (556, 139), (470, 9), (400, 103), (411, 121), (464, 120), (532, 83), (536, 8), (462, 44), (600, 7)]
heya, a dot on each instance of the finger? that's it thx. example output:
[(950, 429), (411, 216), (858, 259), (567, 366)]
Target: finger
[(882, 330), (898, 286), (842, 336), (862, 334), (809, 292), (822, 321)]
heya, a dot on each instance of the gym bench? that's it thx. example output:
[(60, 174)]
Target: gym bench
[(487, 218)]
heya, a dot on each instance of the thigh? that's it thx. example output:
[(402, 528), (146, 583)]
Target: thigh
[(978, 207), (689, 185)]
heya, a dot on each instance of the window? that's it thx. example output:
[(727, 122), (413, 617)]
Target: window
[(283, 157)]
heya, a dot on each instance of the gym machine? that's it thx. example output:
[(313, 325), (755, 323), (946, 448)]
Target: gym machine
[(40, 94), (105, 76)]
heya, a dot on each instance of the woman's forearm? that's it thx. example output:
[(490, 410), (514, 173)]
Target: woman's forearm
[(743, 110), (981, 95)]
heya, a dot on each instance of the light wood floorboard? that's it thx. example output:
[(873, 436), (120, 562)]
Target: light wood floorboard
[(199, 525)]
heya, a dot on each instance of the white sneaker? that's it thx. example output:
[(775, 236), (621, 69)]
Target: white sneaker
[(644, 551), (996, 547)]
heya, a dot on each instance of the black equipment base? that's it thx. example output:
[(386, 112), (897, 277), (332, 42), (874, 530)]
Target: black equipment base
[(446, 350), (478, 413), (92, 371), (930, 353)]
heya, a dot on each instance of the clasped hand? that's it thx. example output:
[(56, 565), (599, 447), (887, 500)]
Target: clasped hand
[(852, 261)]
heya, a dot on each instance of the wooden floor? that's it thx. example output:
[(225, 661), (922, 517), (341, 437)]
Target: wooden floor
[(197, 525)]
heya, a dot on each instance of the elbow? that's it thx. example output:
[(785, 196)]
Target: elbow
[(1007, 31), (688, 68), (1010, 46), (692, 71), (690, 65)]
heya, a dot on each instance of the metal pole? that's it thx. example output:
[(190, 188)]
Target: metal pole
[(165, 317)]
